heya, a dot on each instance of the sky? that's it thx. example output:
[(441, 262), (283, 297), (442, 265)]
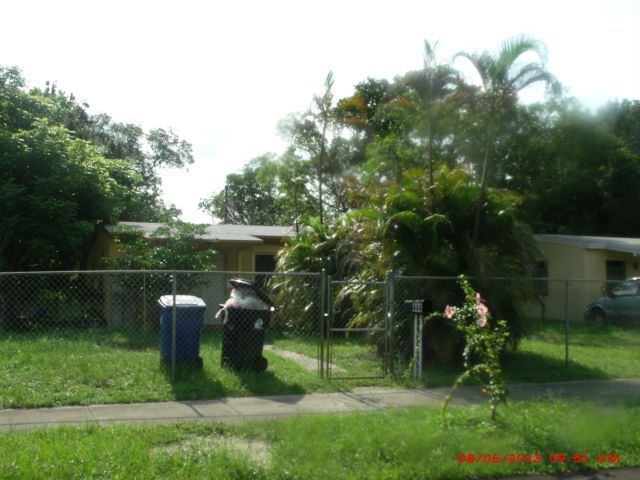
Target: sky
[(223, 74)]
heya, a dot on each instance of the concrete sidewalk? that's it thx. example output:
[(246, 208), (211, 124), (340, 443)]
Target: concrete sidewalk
[(270, 407)]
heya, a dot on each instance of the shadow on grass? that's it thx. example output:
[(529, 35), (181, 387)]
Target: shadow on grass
[(214, 380), (268, 383), (522, 366), (582, 334), (192, 383)]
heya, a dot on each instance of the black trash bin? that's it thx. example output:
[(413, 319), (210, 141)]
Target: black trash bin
[(189, 319), (243, 339), (243, 328)]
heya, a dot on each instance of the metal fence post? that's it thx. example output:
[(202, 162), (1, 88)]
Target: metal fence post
[(323, 318), (389, 303), (566, 322), (415, 346), (174, 289), (145, 320), (418, 321)]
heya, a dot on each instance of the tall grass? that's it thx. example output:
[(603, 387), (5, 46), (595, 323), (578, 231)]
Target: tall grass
[(401, 444), (95, 367), (79, 367)]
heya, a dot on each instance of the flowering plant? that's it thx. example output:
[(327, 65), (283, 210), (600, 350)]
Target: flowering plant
[(484, 341)]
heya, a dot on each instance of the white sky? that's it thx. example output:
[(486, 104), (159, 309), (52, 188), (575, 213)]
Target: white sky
[(222, 74)]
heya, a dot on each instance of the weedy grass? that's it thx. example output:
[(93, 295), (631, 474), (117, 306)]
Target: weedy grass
[(81, 367), (410, 443), (596, 352), (94, 367)]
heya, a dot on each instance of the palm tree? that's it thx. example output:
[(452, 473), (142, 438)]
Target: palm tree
[(503, 76), (434, 86)]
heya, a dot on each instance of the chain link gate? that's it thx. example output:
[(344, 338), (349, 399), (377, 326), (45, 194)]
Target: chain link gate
[(357, 345)]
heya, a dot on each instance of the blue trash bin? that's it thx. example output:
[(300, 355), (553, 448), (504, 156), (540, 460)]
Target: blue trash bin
[(189, 319)]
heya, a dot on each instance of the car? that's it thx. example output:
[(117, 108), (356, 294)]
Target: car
[(622, 304)]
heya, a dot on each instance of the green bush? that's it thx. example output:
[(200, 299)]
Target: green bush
[(410, 228)]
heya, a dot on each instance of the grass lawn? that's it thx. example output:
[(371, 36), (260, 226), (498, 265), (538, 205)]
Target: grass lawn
[(595, 353), (350, 356), (402, 444), (97, 366)]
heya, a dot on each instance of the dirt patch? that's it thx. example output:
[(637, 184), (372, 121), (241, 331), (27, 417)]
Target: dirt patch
[(304, 361), (256, 450)]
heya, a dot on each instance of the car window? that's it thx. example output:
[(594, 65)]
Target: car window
[(627, 288)]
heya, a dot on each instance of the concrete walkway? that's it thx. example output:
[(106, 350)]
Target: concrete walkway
[(271, 407), (360, 399)]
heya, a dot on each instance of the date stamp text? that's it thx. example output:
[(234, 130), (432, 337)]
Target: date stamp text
[(537, 458)]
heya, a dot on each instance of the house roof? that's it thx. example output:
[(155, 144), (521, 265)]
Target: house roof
[(616, 244), (221, 233)]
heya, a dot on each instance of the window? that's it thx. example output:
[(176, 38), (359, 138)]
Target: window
[(615, 270), (542, 271), (264, 263)]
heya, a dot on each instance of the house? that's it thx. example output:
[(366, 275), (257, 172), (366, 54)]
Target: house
[(581, 266), (247, 248), (240, 248)]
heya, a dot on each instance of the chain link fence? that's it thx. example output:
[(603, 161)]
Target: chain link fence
[(358, 331), (337, 329), (123, 309), (590, 326)]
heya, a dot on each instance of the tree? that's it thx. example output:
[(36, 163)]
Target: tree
[(581, 178), (309, 132), (53, 189), (574, 173), (270, 190), (62, 171), (398, 233), (434, 88), (148, 153), (502, 77), (173, 246), (623, 120)]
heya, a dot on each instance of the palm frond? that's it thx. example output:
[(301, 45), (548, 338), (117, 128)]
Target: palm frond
[(529, 75), (484, 64), (512, 48)]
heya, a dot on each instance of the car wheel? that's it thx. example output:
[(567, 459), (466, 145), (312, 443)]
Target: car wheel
[(597, 317)]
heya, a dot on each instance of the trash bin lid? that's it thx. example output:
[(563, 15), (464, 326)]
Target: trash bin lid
[(182, 301), (241, 283)]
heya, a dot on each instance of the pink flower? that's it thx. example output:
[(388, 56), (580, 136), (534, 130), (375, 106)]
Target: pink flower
[(449, 312), (483, 314), (482, 310), (479, 299)]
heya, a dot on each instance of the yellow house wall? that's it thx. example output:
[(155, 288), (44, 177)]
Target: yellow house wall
[(237, 258), (597, 263), (586, 273), (242, 258), (103, 246), (563, 262), (234, 258)]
